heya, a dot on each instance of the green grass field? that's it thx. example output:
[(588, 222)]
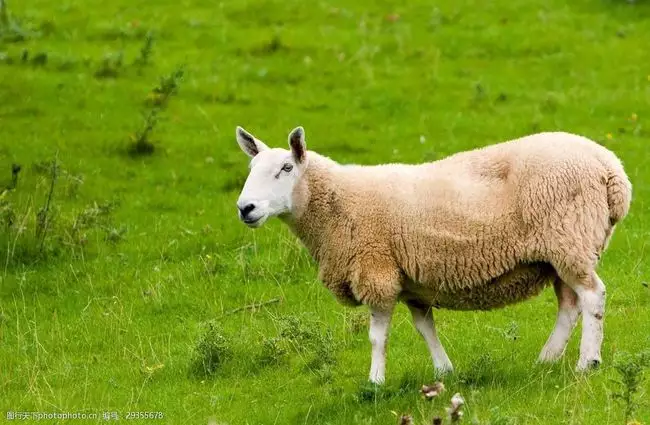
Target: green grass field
[(106, 292)]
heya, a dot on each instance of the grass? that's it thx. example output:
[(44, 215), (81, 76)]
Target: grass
[(142, 253)]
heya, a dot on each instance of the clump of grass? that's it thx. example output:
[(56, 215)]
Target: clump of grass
[(212, 349), (296, 330), (34, 234), (324, 349), (273, 351), (141, 143), (110, 66), (7, 214), (373, 393), (274, 45), (10, 30), (18, 223), (630, 369), (295, 334)]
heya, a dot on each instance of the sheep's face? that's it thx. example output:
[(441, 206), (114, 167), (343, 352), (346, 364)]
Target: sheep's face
[(272, 178)]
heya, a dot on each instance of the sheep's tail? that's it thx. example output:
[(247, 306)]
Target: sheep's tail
[(619, 192)]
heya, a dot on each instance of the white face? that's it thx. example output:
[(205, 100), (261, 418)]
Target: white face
[(273, 175)]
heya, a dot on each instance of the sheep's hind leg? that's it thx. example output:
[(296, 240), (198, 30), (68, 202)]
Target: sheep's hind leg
[(378, 334), (423, 320), (591, 300), (567, 316)]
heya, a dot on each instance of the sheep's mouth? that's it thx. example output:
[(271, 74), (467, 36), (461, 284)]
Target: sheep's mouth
[(254, 222)]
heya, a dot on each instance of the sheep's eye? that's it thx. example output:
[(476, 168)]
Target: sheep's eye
[(287, 167)]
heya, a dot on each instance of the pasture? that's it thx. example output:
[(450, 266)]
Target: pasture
[(128, 283)]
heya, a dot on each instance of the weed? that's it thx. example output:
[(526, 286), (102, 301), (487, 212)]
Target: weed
[(10, 30), (168, 86), (39, 59), (32, 236), (305, 337), (145, 51), (110, 66), (296, 330), (211, 350), (273, 351), (324, 351), (115, 234), (44, 216), (274, 45), (7, 214), (630, 369), (141, 143)]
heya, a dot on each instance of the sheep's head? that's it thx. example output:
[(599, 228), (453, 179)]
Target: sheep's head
[(272, 178)]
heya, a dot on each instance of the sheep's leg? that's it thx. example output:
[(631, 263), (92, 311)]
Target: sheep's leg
[(567, 316), (591, 300), (423, 320), (379, 324)]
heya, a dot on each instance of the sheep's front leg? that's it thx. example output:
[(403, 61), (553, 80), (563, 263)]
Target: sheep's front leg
[(379, 324), (591, 297), (423, 320)]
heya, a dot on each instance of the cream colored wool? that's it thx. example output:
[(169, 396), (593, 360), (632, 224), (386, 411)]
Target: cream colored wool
[(477, 230)]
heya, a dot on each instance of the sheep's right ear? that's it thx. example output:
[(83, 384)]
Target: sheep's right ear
[(248, 143)]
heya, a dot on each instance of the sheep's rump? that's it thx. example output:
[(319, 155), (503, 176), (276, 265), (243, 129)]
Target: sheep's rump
[(488, 227)]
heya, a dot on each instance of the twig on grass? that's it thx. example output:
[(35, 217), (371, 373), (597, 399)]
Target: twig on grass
[(251, 307)]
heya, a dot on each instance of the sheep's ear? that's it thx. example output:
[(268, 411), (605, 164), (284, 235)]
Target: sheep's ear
[(297, 143), (248, 143)]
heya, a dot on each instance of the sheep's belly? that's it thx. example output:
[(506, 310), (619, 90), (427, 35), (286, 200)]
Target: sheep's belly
[(519, 284)]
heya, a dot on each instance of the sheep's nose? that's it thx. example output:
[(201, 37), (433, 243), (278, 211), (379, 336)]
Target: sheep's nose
[(247, 209)]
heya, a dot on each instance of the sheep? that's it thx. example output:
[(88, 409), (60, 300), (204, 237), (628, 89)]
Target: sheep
[(477, 230)]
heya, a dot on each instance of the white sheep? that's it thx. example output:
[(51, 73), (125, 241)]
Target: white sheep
[(475, 231)]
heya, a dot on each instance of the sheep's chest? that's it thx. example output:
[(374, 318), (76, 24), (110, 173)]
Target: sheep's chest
[(519, 284)]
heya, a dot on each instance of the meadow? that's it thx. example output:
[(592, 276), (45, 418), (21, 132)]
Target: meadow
[(128, 283)]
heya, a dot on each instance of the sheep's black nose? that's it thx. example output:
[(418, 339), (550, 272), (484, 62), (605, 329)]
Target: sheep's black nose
[(246, 210)]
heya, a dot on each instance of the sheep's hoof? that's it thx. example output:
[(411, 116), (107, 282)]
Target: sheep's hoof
[(445, 370), (550, 354), (377, 380), (588, 365), (593, 364)]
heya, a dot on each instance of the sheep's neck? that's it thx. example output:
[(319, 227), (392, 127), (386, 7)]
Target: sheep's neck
[(313, 215)]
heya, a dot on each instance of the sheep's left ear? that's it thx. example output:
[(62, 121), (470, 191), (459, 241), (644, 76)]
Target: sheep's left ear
[(297, 144)]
